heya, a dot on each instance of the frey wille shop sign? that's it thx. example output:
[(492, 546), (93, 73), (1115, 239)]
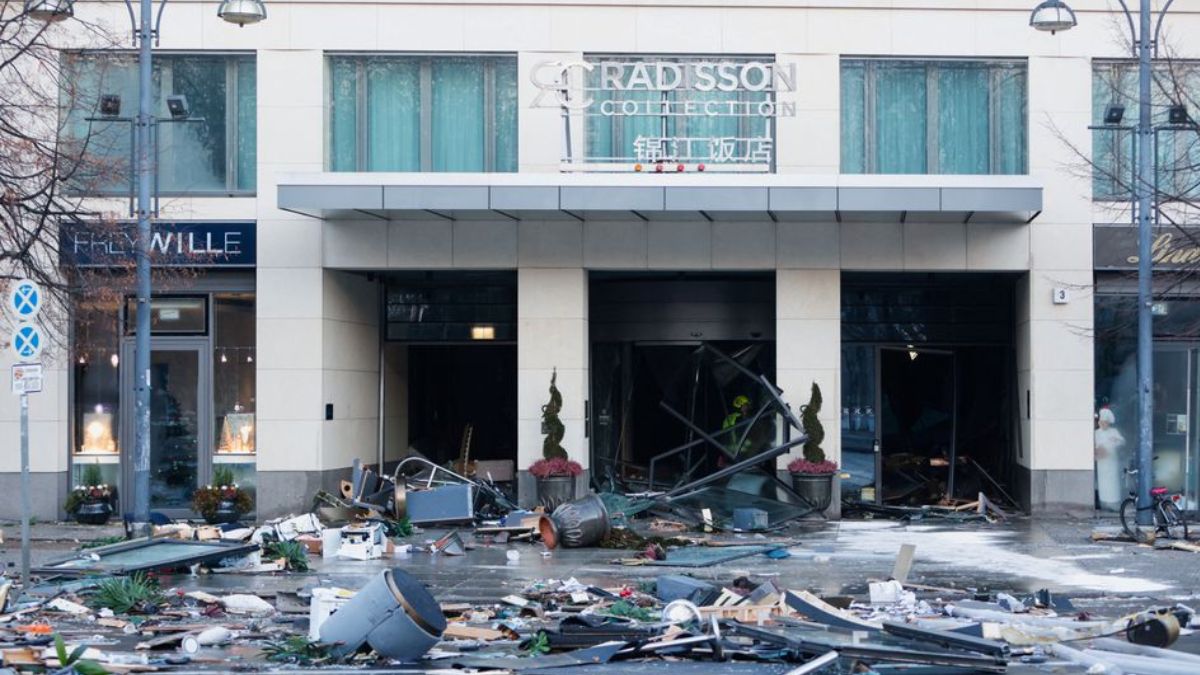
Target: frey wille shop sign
[(727, 97), (172, 244), (1172, 247)]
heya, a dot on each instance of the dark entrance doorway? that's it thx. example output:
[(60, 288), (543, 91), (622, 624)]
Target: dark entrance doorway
[(917, 418), (450, 364), (928, 387), (452, 387)]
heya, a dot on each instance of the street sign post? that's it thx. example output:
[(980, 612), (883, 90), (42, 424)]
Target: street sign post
[(24, 303)]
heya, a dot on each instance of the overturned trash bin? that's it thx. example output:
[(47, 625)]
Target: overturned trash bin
[(576, 524), (393, 613)]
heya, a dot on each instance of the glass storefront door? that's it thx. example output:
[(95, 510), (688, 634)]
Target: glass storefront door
[(1175, 437), (179, 444)]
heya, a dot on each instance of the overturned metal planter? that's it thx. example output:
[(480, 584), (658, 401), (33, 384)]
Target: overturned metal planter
[(576, 524), (394, 614)]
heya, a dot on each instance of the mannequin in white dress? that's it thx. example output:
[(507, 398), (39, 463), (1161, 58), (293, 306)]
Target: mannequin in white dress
[(1109, 443)]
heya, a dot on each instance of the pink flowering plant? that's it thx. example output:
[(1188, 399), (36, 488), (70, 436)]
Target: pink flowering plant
[(801, 465), (556, 466)]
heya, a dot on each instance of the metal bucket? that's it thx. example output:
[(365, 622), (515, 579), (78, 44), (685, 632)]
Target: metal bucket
[(576, 524), (393, 613)]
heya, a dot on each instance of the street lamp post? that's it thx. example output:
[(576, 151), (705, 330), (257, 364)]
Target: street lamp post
[(145, 30), (1053, 16)]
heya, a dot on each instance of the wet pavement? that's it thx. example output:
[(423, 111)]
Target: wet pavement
[(827, 558)]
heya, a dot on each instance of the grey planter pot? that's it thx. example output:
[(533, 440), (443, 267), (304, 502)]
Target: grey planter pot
[(93, 513), (815, 488), (554, 491)]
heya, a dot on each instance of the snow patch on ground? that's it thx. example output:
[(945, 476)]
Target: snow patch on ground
[(988, 551)]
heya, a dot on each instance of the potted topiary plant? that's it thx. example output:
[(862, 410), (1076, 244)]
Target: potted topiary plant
[(92, 502), (812, 474), (223, 501), (555, 473)]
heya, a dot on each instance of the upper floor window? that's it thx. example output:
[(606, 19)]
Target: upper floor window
[(422, 113), (1177, 160), (207, 147), (934, 117), (717, 111)]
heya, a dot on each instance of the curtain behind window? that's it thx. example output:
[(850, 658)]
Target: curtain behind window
[(963, 134), (247, 125), (854, 118), (393, 115), (343, 114), (1012, 120), (458, 115), (505, 78), (900, 107)]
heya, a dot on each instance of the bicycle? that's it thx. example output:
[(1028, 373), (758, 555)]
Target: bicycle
[(1168, 519)]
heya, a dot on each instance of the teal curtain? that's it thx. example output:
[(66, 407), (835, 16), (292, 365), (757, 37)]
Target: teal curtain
[(963, 130), (1012, 119), (393, 114), (854, 117), (247, 124), (979, 109), (505, 114), (598, 129), (390, 89), (900, 111), (343, 113), (458, 115)]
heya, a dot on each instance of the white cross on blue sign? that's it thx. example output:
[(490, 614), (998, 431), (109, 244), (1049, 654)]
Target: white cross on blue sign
[(27, 342), (25, 300)]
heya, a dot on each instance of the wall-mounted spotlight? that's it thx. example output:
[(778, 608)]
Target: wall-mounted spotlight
[(177, 105), (110, 105), (1178, 114)]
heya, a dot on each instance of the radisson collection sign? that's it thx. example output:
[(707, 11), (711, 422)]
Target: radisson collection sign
[(682, 88)]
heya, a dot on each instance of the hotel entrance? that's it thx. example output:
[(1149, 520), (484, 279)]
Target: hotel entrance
[(928, 388)]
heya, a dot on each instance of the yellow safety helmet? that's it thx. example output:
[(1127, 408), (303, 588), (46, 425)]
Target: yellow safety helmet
[(740, 401)]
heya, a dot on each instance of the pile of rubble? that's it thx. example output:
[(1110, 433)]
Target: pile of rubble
[(127, 622)]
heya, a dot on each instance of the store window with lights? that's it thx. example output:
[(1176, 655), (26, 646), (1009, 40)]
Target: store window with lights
[(202, 399)]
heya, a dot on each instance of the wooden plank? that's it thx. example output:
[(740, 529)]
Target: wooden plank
[(460, 631)]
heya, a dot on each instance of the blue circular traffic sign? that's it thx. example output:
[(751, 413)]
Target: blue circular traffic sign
[(24, 299), (27, 342)]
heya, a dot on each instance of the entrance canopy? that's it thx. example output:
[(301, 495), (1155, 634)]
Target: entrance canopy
[(665, 196)]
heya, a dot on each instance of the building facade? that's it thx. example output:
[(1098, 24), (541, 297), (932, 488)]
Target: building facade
[(401, 220)]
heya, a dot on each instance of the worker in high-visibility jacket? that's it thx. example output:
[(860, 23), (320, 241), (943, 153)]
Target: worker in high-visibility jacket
[(741, 411)]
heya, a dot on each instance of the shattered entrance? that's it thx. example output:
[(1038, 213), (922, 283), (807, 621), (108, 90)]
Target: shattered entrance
[(928, 388), (670, 353)]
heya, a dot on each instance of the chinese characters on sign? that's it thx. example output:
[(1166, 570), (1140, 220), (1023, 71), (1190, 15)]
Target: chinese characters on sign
[(718, 112), (703, 149)]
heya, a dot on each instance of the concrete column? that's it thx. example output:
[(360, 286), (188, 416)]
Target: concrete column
[(808, 349), (290, 285), (349, 374), (552, 332), (1054, 341)]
